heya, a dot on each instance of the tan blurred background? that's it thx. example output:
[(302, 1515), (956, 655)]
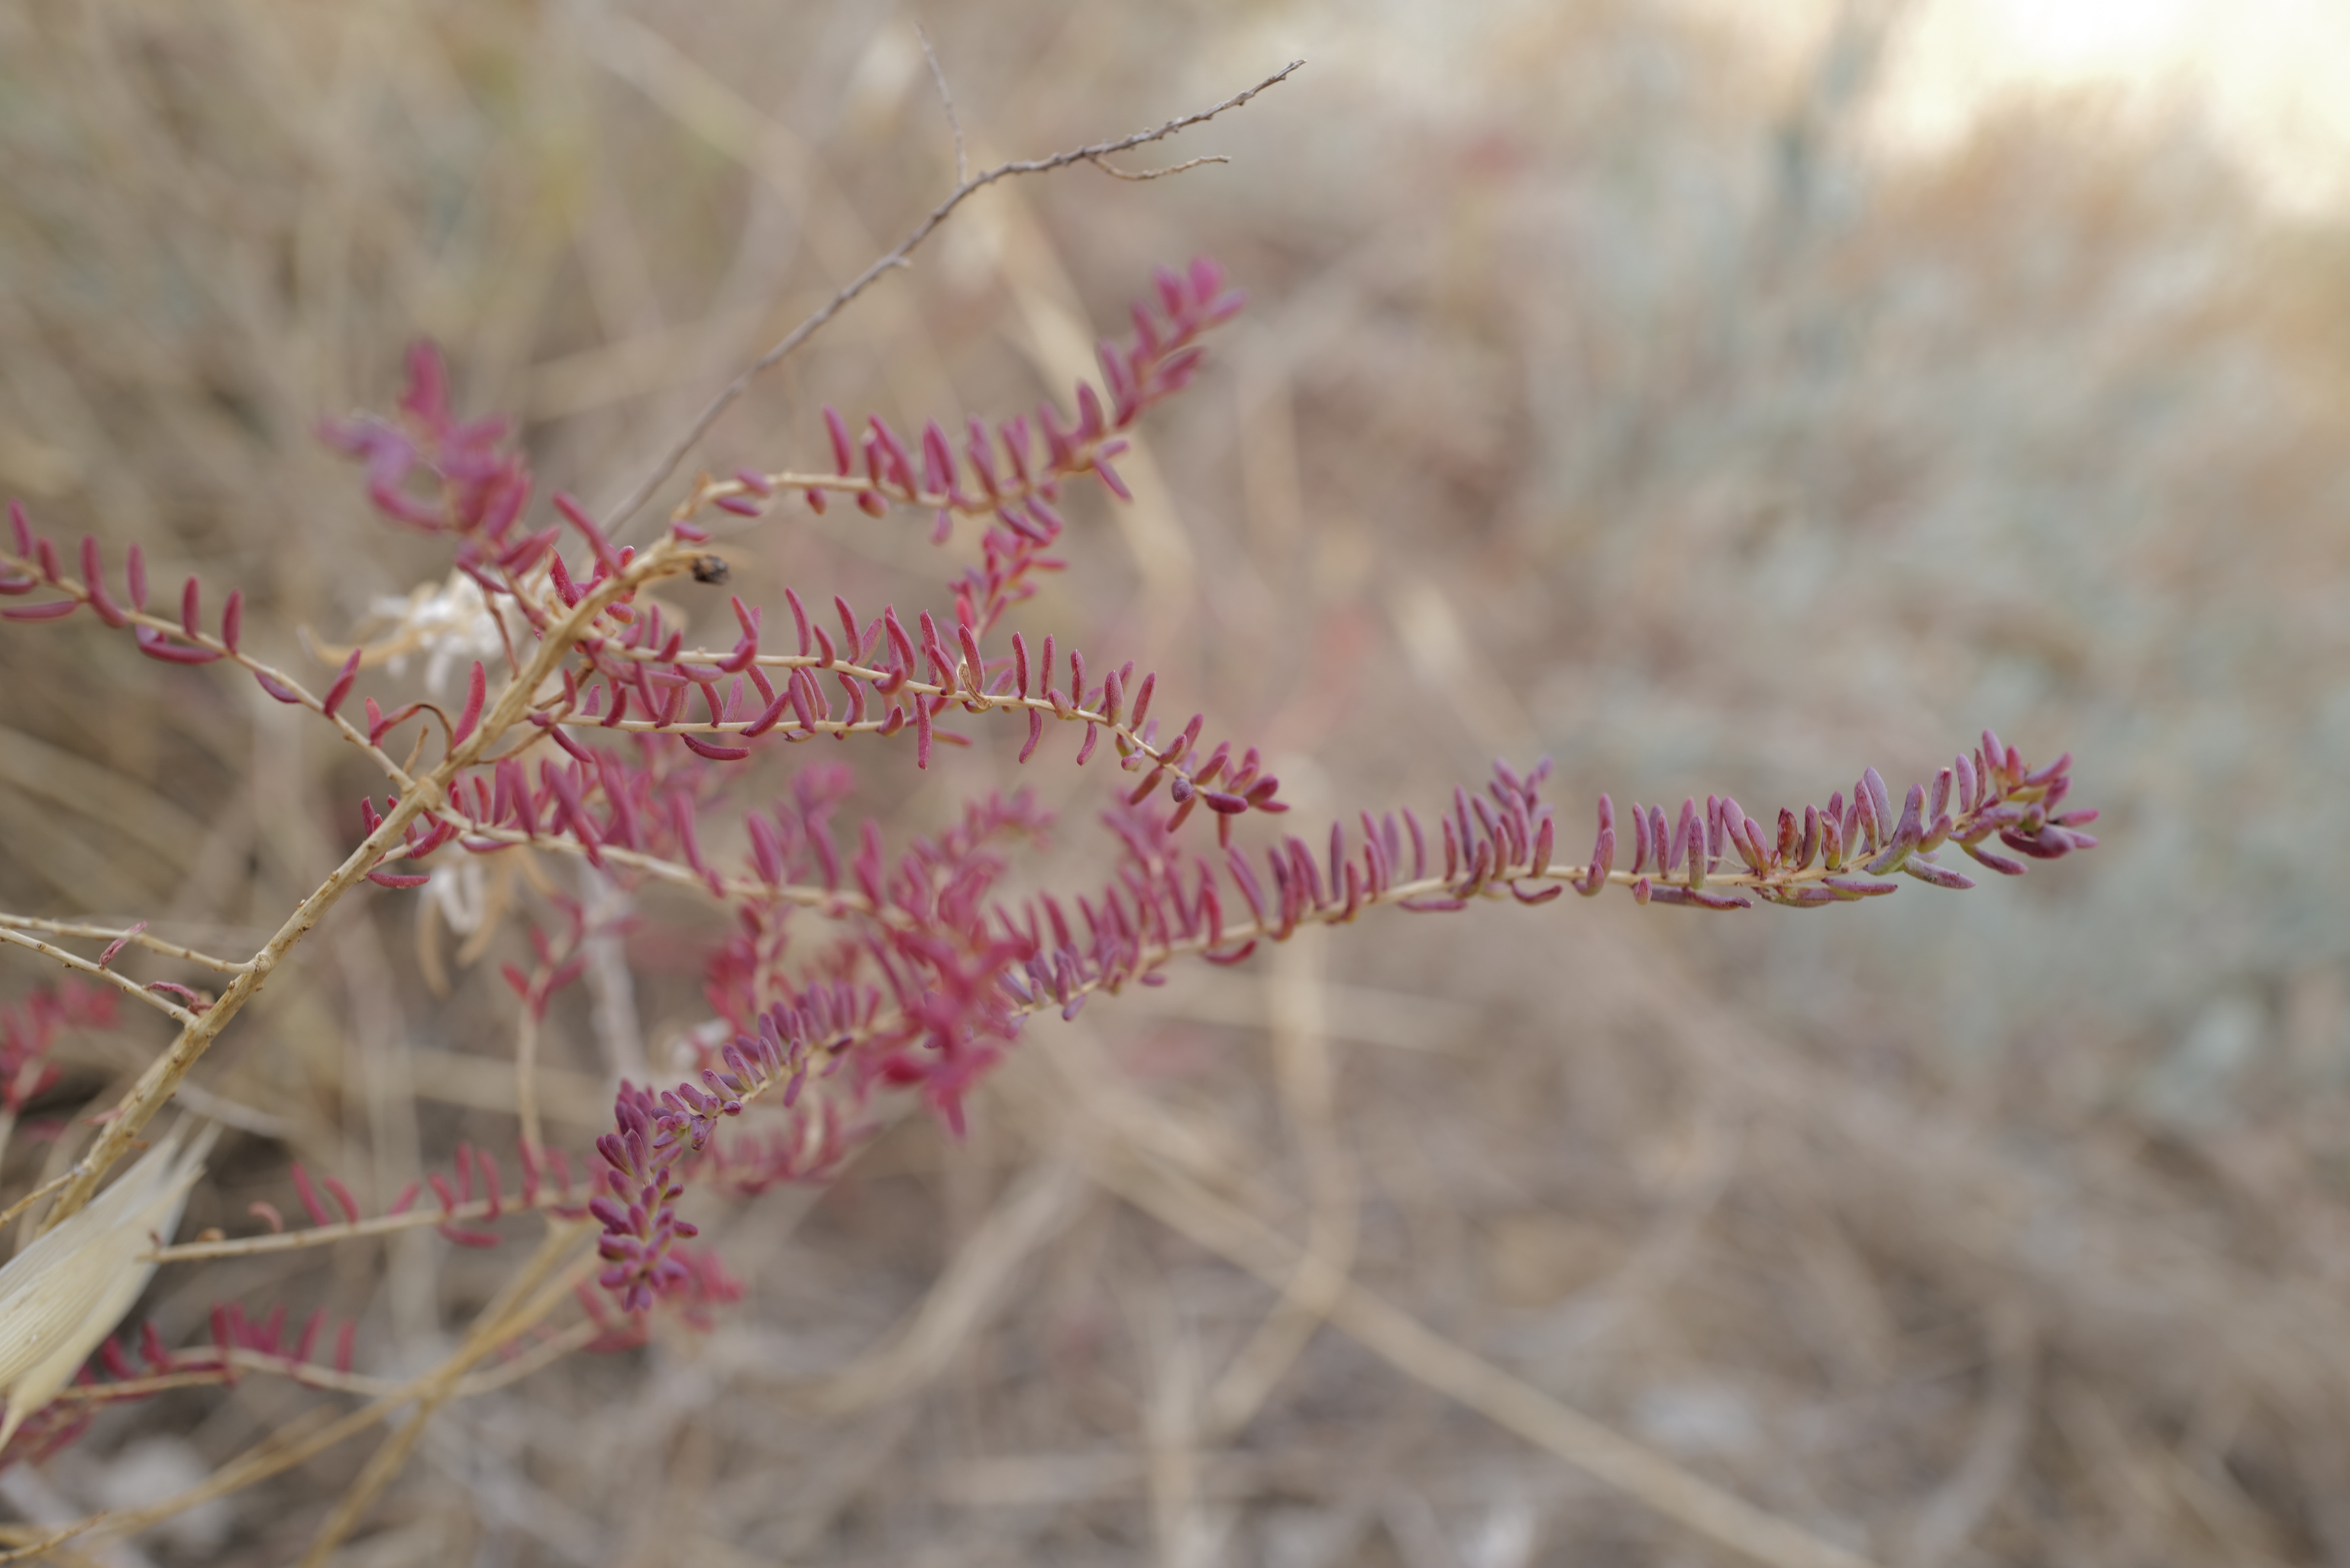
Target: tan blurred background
[(1709, 403)]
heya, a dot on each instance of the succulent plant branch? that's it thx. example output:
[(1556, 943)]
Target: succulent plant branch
[(946, 103), (33, 564), (846, 972), (2009, 795), (84, 966), (136, 935), (1824, 857), (560, 1197)]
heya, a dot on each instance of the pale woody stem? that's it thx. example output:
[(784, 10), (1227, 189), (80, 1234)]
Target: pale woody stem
[(145, 1097)]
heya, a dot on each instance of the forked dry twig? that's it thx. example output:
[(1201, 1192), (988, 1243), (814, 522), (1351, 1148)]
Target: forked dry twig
[(899, 256)]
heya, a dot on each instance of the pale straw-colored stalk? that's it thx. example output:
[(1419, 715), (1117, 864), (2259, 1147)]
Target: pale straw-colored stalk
[(63, 1294)]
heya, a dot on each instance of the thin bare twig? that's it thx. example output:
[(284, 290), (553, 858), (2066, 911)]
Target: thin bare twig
[(1140, 175), (900, 256), (110, 933), (309, 1373), (312, 1375), (35, 1195), (946, 98), (80, 593), (546, 1198)]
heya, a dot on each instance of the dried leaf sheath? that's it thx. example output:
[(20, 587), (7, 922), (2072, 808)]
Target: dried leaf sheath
[(62, 1295)]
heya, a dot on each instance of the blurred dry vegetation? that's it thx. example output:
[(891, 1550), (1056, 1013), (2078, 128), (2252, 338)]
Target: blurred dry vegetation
[(1602, 394)]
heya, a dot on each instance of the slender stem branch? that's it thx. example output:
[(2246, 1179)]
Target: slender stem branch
[(946, 100), (111, 933), (555, 1199), (35, 1195), (833, 901), (172, 628), (159, 1004), (1008, 492), (974, 700), (1234, 933), (1141, 175), (310, 1374)]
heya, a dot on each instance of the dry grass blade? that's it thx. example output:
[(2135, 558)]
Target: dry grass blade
[(1039, 1205), (514, 1309), (63, 1294), (1305, 1070), (1128, 1152), (155, 1085), (1641, 1473), (1952, 1514)]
